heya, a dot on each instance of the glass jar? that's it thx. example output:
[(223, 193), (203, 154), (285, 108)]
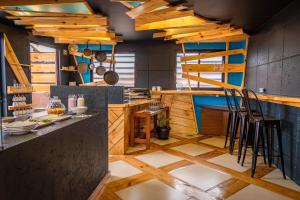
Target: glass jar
[(55, 106)]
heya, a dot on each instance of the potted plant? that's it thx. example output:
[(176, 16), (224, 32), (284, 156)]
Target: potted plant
[(163, 131)]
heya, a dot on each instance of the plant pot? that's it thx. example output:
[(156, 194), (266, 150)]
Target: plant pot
[(163, 133)]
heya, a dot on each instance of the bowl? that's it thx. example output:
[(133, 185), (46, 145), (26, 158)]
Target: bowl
[(79, 110)]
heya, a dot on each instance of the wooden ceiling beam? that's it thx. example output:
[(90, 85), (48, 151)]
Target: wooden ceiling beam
[(83, 41), (35, 2), (71, 30), (199, 38), (153, 17), (146, 8), (183, 22), (74, 34)]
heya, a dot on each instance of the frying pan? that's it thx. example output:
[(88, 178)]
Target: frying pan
[(100, 70), (82, 66), (87, 51), (100, 55), (111, 77), (73, 48)]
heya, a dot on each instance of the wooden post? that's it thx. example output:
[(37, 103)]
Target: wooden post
[(183, 51), (226, 60), (245, 61)]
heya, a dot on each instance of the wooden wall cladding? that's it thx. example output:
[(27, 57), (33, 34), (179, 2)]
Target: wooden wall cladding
[(182, 116), (117, 131)]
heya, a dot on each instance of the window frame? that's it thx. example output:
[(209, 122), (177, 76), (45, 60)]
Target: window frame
[(198, 87), (57, 59), (134, 69)]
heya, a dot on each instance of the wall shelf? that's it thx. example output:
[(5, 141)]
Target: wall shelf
[(20, 107), (23, 90)]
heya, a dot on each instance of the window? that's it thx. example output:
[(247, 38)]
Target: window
[(124, 67), (183, 83), (43, 67)]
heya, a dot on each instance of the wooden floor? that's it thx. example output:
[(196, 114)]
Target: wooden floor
[(238, 181)]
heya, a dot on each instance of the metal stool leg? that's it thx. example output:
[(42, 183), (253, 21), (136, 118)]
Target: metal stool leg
[(255, 148), (228, 128), (279, 137)]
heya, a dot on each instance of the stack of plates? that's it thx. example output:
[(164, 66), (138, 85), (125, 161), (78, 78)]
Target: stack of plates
[(18, 127)]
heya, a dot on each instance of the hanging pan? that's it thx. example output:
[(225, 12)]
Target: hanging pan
[(111, 77), (100, 55), (82, 66), (87, 52)]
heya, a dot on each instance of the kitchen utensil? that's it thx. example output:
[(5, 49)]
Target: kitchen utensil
[(87, 51), (79, 110), (91, 65), (100, 70), (73, 48), (100, 55), (111, 77), (82, 66), (55, 106)]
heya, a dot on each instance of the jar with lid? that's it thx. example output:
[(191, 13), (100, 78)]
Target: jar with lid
[(80, 101), (55, 106)]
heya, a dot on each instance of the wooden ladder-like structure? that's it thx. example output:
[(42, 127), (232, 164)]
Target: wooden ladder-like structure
[(14, 63)]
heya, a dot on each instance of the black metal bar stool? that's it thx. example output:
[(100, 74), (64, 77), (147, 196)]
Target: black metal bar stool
[(242, 118), (260, 124), (232, 117)]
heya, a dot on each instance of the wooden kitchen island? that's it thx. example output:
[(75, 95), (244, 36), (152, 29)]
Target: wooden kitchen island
[(119, 125)]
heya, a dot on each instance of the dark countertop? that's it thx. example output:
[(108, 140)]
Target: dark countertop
[(10, 141)]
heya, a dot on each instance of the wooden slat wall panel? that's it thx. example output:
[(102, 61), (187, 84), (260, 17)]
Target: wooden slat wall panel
[(43, 67), (42, 78), (41, 87), (182, 118), (38, 57)]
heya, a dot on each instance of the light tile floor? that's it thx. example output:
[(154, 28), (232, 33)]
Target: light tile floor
[(151, 190), (258, 193), (230, 161), (194, 178), (158, 158), (200, 176), (276, 177), (214, 141), (192, 149), (121, 169)]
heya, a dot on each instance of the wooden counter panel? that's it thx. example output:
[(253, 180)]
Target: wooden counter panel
[(290, 101), (213, 122), (182, 117)]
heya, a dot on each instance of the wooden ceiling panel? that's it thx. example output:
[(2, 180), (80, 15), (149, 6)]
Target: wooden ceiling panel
[(146, 8)]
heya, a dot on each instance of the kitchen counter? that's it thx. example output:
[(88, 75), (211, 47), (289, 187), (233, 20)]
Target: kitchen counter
[(10, 141), (63, 161)]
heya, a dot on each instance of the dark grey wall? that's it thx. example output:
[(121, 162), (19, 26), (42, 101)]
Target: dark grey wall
[(274, 54), (19, 39), (155, 62)]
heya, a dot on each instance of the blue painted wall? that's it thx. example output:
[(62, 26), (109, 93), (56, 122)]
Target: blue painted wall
[(233, 78), (93, 47)]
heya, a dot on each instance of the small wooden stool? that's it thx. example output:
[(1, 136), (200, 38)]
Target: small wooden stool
[(147, 115)]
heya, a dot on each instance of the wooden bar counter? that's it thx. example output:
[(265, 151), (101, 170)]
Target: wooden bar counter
[(119, 125)]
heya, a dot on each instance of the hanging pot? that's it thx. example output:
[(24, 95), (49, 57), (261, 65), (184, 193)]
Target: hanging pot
[(87, 52), (82, 67), (111, 77), (100, 55), (91, 65), (100, 70), (73, 48)]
